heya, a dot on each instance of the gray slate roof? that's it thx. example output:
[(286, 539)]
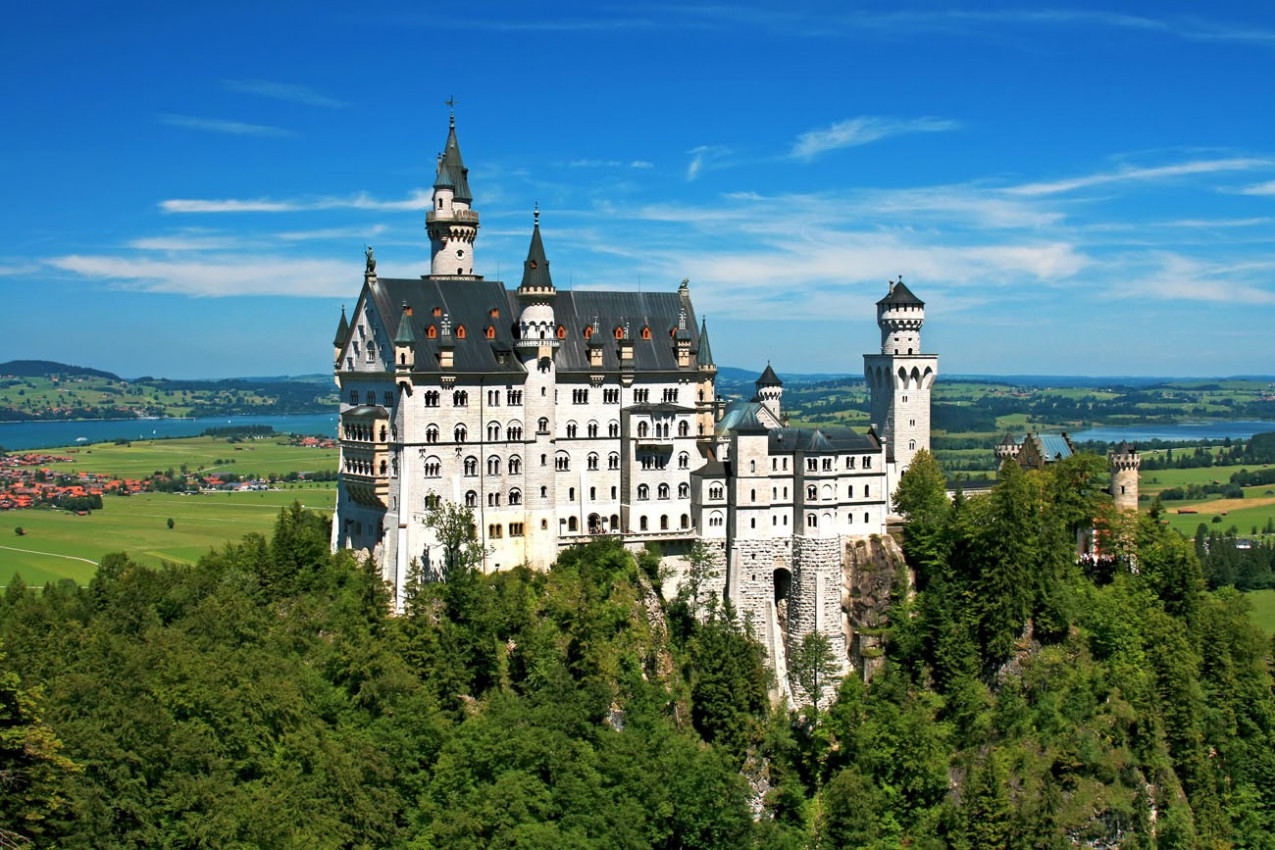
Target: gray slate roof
[(535, 269), (900, 294), (342, 330), (452, 173), (790, 440), (704, 357)]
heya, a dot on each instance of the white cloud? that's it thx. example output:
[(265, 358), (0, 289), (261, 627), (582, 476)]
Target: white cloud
[(185, 242), (253, 275), (610, 163), (1174, 277), (284, 91), (418, 200), (862, 130), (1132, 173), (1267, 188), (333, 233), (705, 156), (217, 125)]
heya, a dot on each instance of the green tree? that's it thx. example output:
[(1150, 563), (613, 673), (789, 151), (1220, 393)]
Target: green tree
[(458, 534)]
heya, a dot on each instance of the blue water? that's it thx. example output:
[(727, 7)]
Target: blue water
[(1240, 429), (42, 435)]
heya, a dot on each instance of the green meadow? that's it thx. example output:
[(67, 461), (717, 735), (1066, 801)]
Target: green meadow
[(61, 545)]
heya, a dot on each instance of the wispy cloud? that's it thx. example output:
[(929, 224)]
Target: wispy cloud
[(1174, 277), (610, 163), (418, 200), (250, 275), (186, 242), (861, 131), (217, 125), (1133, 173), (1267, 188), (333, 233), (284, 91), (706, 157)]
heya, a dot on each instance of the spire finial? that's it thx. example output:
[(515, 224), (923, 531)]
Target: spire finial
[(450, 103), (536, 214)]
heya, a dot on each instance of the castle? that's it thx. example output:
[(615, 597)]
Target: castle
[(556, 415)]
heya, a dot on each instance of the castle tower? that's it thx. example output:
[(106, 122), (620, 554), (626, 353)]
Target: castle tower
[(451, 224), (899, 380), (705, 387), (770, 392), (1124, 461), (536, 345), (1007, 448)]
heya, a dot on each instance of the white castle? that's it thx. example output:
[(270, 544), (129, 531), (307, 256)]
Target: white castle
[(558, 415)]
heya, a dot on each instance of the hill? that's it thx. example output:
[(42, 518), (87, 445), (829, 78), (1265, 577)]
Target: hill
[(44, 368)]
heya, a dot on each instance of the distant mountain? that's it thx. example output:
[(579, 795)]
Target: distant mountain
[(38, 368)]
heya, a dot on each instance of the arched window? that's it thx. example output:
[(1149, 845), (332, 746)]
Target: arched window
[(515, 497), (812, 493), (562, 462), (460, 398), (642, 524), (431, 434), (588, 331), (716, 519), (912, 445), (431, 332), (643, 492), (542, 425), (493, 431), (433, 467), (431, 398), (664, 522), (663, 491), (571, 430), (515, 465), (573, 524), (544, 492), (811, 521), (513, 432), (646, 333), (592, 460), (493, 466), (491, 332), (683, 490), (460, 433), (613, 429), (593, 429), (471, 499), (471, 465), (619, 332), (615, 522), (683, 461), (613, 461), (460, 331), (686, 521), (683, 428), (715, 492), (643, 429), (562, 332), (752, 466)]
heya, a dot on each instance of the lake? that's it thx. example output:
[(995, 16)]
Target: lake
[(16, 436), (1240, 429)]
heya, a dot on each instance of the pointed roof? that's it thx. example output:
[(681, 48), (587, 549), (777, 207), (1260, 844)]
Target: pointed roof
[(405, 336), (452, 173), (704, 357), (342, 330), (900, 294), (535, 269), (769, 378)]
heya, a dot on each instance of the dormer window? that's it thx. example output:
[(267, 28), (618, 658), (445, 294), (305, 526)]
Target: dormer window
[(562, 332), (619, 332), (431, 332), (438, 311), (460, 331), (646, 333), (491, 331)]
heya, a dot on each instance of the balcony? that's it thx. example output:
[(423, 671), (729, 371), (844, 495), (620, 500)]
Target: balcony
[(462, 216)]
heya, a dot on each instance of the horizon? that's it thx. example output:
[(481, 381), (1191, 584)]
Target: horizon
[(1089, 188)]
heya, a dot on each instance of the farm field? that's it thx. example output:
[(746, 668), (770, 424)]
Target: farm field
[(1262, 609), (270, 456), (59, 544)]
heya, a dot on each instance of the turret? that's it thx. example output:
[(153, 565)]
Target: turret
[(706, 387), (537, 332), (342, 331), (451, 224), (1124, 462), (900, 315), (405, 343), (770, 392)]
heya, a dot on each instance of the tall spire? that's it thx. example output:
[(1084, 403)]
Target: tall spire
[(704, 357), (452, 173), (342, 330), (535, 270), (451, 223)]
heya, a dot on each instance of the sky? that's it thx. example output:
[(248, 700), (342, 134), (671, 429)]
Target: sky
[(1073, 189)]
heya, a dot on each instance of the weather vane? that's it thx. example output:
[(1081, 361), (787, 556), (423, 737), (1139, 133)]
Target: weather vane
[(450, 103)]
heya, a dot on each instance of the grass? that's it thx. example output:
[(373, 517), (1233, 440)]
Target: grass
[(142, 458), (1262, 609), (62, 545)]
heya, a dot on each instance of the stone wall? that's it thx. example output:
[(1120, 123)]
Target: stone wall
[(869, 571)]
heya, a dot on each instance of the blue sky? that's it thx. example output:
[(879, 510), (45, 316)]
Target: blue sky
[(1072, 188)]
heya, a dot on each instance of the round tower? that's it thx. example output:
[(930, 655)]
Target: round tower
[(1124, 462), (770, 392), (451, 224)]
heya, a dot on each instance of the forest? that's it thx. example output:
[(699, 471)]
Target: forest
[(269, 697)]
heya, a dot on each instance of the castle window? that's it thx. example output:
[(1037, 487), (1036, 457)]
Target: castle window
[(664, 522), (562, 332), (493, 531), (850, 492), (542, 425), (683, 428), (513, 432), (460, 329), (867, 463), (493, 466), (588, 331), (812, 493), (619, 332), (515, 529), (643, 429), (544, 494), (371, 397), (865, 491), (471, 499), (812, 521), (471, 465), (686, 521), (431, 398), (850, 463), (911, 445), (752, 522), (812, 464), (642, 524), (354, 396), (460, 433), (611, 396), (905, 399), (663, 491), (683, 461), (431, 434), (513, 398), (493, 500), (562, 462), (515, 465), (613, 429), (716, 519), (592, 461), (646, 333), (613, 461), (614, 523), (573, 524), (593, 494), (490, 333), (571, 494), (865, 518), (438, 311), (579, 396), (433, 467), (643, 492), (715, 492), (387, 398), (460, 398), (593, 429), (493, 431), (515, 497), (752, 466), (683, 490), (752, 495)]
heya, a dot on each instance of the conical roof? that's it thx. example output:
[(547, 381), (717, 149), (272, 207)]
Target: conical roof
[(452, 173), (900, 294), (769, 378), (405, 336), (342, 330), (704, 357), (535, 270)]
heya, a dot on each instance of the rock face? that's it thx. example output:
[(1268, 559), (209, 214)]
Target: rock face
[(870, 568)]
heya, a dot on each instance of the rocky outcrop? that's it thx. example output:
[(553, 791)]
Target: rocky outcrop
[(871, 567)]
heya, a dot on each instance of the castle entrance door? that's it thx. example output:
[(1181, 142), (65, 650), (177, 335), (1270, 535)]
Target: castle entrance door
[(597, 525)]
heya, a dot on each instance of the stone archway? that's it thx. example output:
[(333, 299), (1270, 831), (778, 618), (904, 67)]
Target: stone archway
[(782, 582)]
